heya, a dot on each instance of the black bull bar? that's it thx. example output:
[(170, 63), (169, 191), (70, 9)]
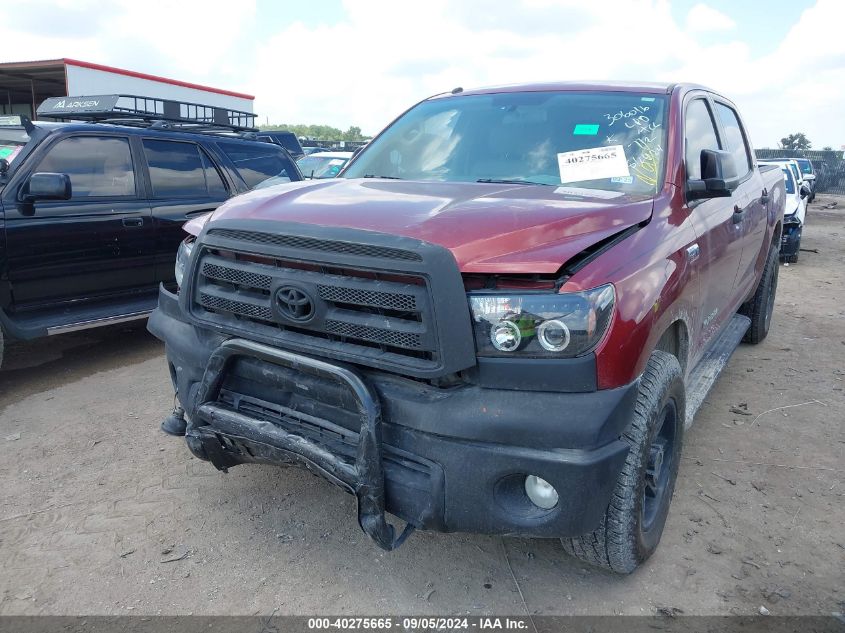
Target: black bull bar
[(364, 477)]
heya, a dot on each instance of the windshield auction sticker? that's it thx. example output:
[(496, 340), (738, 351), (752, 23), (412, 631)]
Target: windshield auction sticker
[(593, 164)]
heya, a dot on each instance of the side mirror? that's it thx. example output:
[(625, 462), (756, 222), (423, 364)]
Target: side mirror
[(715, 165), (805, 191), (49, 186), (4, 166)]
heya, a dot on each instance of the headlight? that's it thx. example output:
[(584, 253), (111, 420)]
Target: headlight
[(541, 325), (183, 256)]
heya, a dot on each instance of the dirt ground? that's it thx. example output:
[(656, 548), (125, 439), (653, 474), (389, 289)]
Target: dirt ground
[(101, 513)]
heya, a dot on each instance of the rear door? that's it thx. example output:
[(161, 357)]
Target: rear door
[(717, 253), (750, 197), (184, 183), (100, 242)]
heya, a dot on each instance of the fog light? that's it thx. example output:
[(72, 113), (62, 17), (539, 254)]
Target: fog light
[(505, 336), (553, 335), (541, 492)]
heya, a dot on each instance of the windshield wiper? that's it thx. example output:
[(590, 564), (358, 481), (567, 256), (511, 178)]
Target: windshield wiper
[(388, 177), (505, 181)]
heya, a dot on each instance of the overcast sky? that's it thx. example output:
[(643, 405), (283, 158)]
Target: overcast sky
[(362, 62)]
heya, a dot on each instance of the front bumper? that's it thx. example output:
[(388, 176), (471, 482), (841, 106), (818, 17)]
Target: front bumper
[(444, 459)]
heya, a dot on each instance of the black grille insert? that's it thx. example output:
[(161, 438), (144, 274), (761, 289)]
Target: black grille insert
[(408, 340), (355, 296), (233, 306)]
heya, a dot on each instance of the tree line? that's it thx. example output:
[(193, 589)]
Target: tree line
[(799, 141), (320, 132)]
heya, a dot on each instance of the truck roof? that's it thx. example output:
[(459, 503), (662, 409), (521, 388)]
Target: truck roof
[(612, 86)]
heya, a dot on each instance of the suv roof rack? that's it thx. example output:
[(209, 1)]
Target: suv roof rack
[(165, 114)]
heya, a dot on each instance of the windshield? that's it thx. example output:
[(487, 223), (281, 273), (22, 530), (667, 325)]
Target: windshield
[(11, 143), (612, 141), (320, 166), (788, 181), (805, 165)]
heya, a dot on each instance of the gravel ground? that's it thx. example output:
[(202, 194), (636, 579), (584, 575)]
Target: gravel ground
[(100, 513)]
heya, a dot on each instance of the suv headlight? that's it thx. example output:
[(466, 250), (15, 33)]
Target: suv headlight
[(183, 257), (541, 325)]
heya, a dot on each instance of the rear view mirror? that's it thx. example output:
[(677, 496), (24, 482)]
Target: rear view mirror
[(715, 165), (49, 186)]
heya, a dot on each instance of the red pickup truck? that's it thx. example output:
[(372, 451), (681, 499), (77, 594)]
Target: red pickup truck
[(499, 319)]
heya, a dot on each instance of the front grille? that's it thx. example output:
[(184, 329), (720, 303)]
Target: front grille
[(363, 312), (315, 244), (356, 296)]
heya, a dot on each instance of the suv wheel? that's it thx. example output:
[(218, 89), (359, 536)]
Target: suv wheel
[(761, 306), (633, 522)]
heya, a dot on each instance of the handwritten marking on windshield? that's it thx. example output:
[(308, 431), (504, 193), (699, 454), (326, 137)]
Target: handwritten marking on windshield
[(635, 111), (646, 166), (642, 124)]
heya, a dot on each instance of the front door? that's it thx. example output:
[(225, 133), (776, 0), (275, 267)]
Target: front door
[(716, 255), (98, 243)]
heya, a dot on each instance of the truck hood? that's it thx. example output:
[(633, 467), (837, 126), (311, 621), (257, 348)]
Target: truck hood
[(489, 228)]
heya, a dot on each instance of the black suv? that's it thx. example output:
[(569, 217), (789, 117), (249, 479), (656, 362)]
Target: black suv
[(92, 211)]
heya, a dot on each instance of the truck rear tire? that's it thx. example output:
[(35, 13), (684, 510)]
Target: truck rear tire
[(631, 527), (761, 306)]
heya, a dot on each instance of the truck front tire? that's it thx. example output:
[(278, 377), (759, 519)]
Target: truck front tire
[(761, 306), (632, 525)]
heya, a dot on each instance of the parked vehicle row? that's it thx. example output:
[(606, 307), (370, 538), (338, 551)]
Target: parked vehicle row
[(500, 318), (795, 212)]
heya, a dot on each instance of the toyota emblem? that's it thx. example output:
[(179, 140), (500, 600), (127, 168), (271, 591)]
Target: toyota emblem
[(294, 303)]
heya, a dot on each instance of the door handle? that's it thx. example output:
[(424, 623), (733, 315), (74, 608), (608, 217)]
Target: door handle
[(133, 222), (736, 218)]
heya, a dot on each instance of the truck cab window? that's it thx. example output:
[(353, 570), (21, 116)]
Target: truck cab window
[(700, 134), (98, 166), (735, 139)]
